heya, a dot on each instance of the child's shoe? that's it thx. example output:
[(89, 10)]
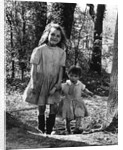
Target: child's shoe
[(78, 131)]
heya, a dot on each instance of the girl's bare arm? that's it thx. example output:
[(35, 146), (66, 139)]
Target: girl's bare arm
[(33, 75), (58, 85)]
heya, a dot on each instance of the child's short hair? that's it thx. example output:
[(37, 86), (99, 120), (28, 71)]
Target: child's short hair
[(75, 70)]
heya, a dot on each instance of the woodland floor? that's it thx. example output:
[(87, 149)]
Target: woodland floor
[(21, 121)]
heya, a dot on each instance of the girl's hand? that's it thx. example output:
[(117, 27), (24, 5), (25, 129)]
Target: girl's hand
[(52, 91), (58, 86)]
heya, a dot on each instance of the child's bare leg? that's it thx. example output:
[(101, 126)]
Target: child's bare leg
[(78, 122), (68, 126), (78, 129)]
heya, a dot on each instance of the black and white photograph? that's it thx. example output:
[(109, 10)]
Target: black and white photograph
[(60, 74)]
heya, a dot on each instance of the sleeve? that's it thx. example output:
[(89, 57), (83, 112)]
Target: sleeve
[(63, 58), (35, 57), (83, 86), (62, 86)]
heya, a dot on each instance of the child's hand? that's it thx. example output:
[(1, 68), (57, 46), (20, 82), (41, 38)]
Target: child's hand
[(91, 94), (52, 91)]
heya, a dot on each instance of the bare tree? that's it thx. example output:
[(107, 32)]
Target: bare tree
[(96, 56), (112, 104)]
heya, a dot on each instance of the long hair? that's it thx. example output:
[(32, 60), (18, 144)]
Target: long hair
[(44, 37)]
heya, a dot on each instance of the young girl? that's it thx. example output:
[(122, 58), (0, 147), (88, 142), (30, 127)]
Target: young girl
[(47, 62), (72, 105)]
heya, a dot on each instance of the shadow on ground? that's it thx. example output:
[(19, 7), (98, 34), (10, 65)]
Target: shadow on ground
[(22, 136)]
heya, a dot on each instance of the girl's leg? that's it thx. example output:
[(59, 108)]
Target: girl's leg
[(68, 126), (50, 120), (41, 118)]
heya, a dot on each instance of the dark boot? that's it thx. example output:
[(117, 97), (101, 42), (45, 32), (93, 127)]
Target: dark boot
[(41, 123), (78, 131), (68, 126), (50, 121)]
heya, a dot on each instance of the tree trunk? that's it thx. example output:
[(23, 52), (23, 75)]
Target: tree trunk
[(22, 53), (12, 55), (12, 47), (96, 56), (63, 13), (13, 69), (112, 104)]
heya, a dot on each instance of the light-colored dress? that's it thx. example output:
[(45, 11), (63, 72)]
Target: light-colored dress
[(48, 61), (72, 105)]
